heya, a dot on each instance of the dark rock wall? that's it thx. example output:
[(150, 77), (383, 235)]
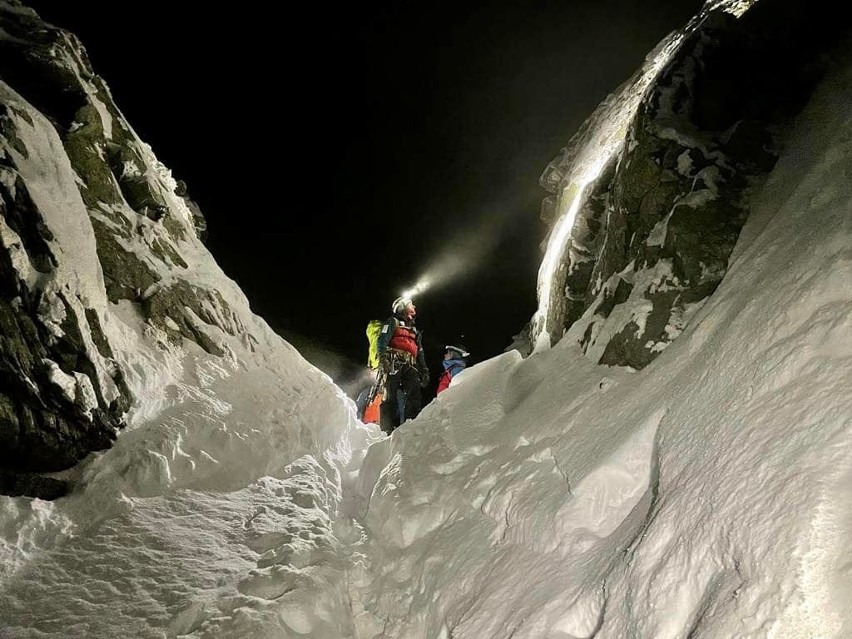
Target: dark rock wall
[(653, 239), (63, 393)]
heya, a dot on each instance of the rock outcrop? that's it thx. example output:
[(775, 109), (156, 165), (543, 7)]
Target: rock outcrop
[(82, 200), (655, 231)]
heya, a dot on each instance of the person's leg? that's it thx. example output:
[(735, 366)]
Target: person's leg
[(389, 410), (411, 387)]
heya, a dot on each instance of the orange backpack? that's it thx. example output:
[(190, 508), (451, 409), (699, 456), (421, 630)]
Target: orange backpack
[(372, 413)]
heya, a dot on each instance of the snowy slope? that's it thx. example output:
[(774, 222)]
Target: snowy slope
[(708, 495)]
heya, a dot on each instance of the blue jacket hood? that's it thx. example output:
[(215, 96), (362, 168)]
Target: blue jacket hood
[(454, 363)]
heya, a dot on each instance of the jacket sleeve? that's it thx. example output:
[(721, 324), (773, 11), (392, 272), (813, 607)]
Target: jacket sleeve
[(385, 334), (421, 356), (421, 362), (443, 382)]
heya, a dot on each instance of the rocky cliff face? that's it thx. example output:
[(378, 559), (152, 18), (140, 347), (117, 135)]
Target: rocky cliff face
[(91, 224), (654, 233)]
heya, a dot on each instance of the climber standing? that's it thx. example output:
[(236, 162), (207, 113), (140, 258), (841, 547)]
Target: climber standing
[(402, 364), (455, 361)]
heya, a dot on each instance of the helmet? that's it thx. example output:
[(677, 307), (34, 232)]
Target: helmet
[(400, 303), (459, 349)]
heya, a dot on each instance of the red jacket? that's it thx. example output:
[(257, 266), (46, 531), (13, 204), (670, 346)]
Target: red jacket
[(404, 338), (399, 335)]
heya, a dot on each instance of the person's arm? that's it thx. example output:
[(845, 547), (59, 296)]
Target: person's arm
[(421, 362), (384, 335)]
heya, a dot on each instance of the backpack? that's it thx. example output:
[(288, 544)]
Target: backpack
[(374, 328), (372, 412)]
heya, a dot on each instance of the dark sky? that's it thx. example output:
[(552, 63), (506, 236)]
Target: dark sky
[(338, 154)]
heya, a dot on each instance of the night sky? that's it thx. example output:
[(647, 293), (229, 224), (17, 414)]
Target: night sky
[(340, 154)]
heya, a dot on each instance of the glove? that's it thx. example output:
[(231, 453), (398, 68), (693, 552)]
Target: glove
[(424, 377)]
